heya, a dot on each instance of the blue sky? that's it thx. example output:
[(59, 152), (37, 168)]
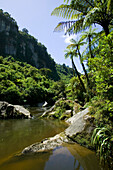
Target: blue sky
[(35, 15)]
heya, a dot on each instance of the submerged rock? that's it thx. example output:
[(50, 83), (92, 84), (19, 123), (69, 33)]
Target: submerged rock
[(9, 111), (46, 145)]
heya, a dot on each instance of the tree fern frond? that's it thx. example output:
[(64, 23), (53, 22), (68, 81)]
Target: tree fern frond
[(66, 1), (77, 27), (66, 11), (84, 3), (90, 17), (64, 26)]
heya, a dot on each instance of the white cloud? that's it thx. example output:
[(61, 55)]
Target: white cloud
[(68, 38)]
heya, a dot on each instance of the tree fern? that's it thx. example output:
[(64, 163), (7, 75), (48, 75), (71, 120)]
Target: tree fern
[(85, 13)]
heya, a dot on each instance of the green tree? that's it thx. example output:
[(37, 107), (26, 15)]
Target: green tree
[(25, 30), (88, 36), (71, 53), (75, 44), (84, 13)]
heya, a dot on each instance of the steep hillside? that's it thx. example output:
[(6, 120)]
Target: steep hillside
[(25, 48)]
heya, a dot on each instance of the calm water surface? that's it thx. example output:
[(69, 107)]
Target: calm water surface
[(15, 135)]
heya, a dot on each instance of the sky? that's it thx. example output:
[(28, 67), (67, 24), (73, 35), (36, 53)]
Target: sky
[(35, 16)]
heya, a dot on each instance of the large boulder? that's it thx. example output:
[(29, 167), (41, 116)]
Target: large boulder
[(77, 123), (81, 128), (9, 111)]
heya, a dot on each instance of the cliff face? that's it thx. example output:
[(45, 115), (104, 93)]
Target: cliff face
[(21, 45)]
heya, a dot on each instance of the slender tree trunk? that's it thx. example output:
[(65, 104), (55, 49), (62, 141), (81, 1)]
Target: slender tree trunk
[(84, 68), (81, 82), (73, 70)]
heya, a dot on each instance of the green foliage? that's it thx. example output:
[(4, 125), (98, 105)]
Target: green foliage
[(83, 139), (60, 108), (102, 68), (65, 73), (58, 89), (102, 138), (22, 83), (75, 91)]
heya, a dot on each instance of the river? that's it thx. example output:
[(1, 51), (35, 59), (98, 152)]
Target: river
[(15, 135)]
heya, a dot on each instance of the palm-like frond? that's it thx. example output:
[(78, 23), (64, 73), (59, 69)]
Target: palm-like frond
[(66, 11), (91, 16), (70, 53), (76, 27), (82, 5), (91, 32)]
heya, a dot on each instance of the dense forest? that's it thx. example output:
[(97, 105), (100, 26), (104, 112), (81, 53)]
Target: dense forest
[(21, 83)]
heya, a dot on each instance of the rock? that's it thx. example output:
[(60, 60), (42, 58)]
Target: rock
[(77, 123), (9, 111), (46, 145), (45, 104), (81, 122), (76, 108), (48, 112), (22, 111), (68, 112)]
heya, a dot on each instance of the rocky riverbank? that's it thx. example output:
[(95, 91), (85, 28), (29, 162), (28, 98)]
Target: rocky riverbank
[(9, 111), (78, 123)]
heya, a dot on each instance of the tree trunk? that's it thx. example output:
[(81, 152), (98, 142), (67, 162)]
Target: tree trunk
[(106, 28), (84, 68), (81, 82), (73, 70)]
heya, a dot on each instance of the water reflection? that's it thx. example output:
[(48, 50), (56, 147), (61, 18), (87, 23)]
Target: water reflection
[(71, 157), (62, 159)]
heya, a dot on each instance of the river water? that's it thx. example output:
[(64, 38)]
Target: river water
[(15, 135)]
